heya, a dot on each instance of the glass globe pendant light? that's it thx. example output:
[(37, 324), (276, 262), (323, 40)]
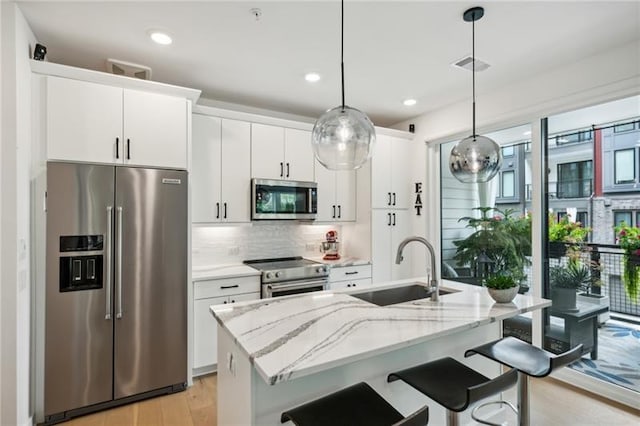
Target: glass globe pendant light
[(343, 137), (475, 159)]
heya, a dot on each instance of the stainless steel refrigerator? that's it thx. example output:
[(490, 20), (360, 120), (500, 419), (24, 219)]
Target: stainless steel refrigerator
[(116, 286)]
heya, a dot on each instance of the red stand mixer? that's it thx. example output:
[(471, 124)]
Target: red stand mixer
[(331, 247)]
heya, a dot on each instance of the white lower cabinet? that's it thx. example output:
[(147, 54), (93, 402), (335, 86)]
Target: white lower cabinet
[(205, 336), (349, 276)]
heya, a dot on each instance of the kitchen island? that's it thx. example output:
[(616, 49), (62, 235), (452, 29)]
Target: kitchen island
[(277, 353)]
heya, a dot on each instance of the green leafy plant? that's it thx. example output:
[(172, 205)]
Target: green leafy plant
[(565, 231), (502, 237), (500, 282), (629, 240), (574, 275)]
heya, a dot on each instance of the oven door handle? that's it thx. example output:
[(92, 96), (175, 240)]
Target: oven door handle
[(295, 286)]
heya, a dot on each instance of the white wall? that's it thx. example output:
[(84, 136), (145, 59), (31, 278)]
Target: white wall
[(592, 80), (17, 43)]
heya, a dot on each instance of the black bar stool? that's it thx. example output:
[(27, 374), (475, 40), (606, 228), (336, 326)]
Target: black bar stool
[(356, 405), (528, 360), (452, 384)]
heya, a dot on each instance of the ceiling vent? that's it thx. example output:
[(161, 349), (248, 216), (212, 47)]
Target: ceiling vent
[(115, 66), (467, 63)]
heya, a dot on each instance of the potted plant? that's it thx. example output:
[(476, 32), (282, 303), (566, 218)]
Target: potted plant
[(566, 235), (502, 288), (501, 237), (629, 240), (566, 281)]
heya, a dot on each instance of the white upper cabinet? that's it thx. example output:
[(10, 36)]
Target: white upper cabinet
[(336, 194), (84, 121), (220, 175), (390, 179), (267, 151), (155, 129), (206, 152), (389, 228), (235, 168), (298, 154), (279, 153), (97, 123)]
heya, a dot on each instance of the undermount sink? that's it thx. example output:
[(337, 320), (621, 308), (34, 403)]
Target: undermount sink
[(392, 296)]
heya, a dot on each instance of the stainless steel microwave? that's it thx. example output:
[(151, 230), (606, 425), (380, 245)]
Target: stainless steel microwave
[(283, 199)]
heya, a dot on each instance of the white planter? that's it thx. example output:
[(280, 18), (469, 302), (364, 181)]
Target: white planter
[(600, 301), (503, 295)]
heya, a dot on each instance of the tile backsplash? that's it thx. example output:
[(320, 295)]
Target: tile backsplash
[(213, 245)]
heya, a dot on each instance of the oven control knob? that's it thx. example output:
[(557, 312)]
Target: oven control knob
[(268, 275), (320, 270), (278, 274)]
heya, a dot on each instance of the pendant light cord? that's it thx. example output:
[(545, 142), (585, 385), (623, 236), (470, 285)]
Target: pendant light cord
[(473, 71), (342, 50)]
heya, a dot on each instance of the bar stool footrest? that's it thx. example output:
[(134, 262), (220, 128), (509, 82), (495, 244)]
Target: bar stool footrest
[(486, 422)]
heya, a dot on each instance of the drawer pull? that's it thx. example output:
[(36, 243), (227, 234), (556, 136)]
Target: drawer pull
[(224, 287), (351, 273)]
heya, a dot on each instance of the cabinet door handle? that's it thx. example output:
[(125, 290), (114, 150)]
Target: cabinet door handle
[(117, 147), (334, 212), (394, 219), (217, 210), (339, 211), (128, 149), (394, 199), (351, 273), (225, 210), (287, 169), (389, 196), (389, 217), (281, 169), (225, 287)]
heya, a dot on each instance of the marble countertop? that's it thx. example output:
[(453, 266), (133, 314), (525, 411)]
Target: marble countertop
[(213, 272), (343, 261), (294, 336)]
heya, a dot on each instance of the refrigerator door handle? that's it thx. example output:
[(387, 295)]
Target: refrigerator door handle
[(119, 263), (108, 250)]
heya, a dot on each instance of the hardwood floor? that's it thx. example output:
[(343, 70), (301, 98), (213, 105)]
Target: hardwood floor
[(553, 404)]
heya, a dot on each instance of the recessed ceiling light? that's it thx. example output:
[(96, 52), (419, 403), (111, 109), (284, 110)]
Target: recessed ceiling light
[(527, 133), (312, 77), (160, 37), (410, 102)]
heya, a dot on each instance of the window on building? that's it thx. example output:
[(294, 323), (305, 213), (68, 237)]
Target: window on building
[(508, 151), (508, 184), (624, 127), (624, 164), (582, 217), (574, 179), (581, 136)]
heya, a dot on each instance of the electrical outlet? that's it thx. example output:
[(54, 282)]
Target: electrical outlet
[(234, 251)]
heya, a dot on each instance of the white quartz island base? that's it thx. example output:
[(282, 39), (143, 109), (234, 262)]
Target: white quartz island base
[(279, 353)]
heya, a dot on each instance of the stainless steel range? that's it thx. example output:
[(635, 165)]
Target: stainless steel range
[(290, 275)]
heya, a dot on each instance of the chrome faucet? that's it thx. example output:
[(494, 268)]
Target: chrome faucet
[(435, 296)]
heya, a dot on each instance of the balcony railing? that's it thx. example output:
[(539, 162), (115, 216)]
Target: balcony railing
[(606, 263)]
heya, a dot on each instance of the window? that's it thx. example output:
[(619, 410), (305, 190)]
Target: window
[(623, 216), (624, 165), (582, 217), (582, 136), (508, 184), (508, 151), (574, 179), (623, 127)]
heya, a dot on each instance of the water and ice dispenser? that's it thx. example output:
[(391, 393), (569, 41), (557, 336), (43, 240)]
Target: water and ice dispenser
[(79, 271)]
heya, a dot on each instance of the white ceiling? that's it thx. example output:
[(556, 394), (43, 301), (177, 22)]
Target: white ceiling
[(393, 49)]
